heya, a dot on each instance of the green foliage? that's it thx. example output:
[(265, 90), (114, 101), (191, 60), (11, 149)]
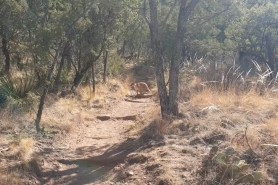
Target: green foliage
[(253, 25), (26, 104), (116, 66)]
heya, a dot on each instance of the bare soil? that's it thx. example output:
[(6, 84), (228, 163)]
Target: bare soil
[(95, 147)]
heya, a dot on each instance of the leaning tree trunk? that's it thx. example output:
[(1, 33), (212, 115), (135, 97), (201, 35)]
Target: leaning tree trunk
[(6, 53), (82, 71), (60, 68), (45, 91), (43, 96), (157, 58), (78, 79), (105, 60)]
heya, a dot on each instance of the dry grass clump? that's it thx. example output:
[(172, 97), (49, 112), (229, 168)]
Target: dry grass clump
[(272, 127), (230, 99), (61, 115), (17, 161), (244, 141), (22, 149), (114, 87), (55, 125), (10, 178), (6, 125), (13, 122), (64, 113)]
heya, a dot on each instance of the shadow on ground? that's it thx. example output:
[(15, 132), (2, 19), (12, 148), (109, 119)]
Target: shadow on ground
[(94, 169)]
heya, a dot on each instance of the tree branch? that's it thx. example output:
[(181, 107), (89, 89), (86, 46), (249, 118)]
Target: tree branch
[(169, 13), (216, 14), (144, 15)]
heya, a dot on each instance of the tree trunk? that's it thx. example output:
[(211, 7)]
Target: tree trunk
[(94, 78), (58, 76), (59, 72), (123, 49), (77, 79), (6, 53), (270, 54), (105, 60), (169, 104), (139, 53), (184, 13), (80, 73), (43, 96), (157, 58)]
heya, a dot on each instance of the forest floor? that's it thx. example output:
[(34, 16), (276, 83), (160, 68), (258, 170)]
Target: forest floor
[(120, 139)]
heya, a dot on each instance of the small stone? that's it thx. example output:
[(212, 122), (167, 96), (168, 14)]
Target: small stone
[(130, 173), (184, 151)]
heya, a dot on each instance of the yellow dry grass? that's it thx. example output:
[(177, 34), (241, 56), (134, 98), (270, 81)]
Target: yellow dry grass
[(235, 106), (230, 99), (23, 149), (16, 161), (10, 178), (64, 113), (114, 87), (272, 127)]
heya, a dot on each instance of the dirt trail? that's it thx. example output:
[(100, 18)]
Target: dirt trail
[(93, 148)]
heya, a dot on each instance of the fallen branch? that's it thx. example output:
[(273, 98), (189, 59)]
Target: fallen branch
[(269, 145)]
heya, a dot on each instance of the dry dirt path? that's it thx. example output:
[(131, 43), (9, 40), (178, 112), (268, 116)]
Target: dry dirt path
[(88, 153)]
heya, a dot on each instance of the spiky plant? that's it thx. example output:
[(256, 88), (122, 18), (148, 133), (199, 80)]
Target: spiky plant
[(18, 92), (17, 87), (225, 78)]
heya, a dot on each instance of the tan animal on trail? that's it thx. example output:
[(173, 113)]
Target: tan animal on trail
[(141, 88)]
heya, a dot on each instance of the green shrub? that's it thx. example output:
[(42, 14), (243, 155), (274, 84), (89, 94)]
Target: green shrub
[(115, 65), (25, 104)]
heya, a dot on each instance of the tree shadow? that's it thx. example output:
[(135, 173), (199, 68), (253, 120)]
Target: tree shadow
[(96, 168)]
